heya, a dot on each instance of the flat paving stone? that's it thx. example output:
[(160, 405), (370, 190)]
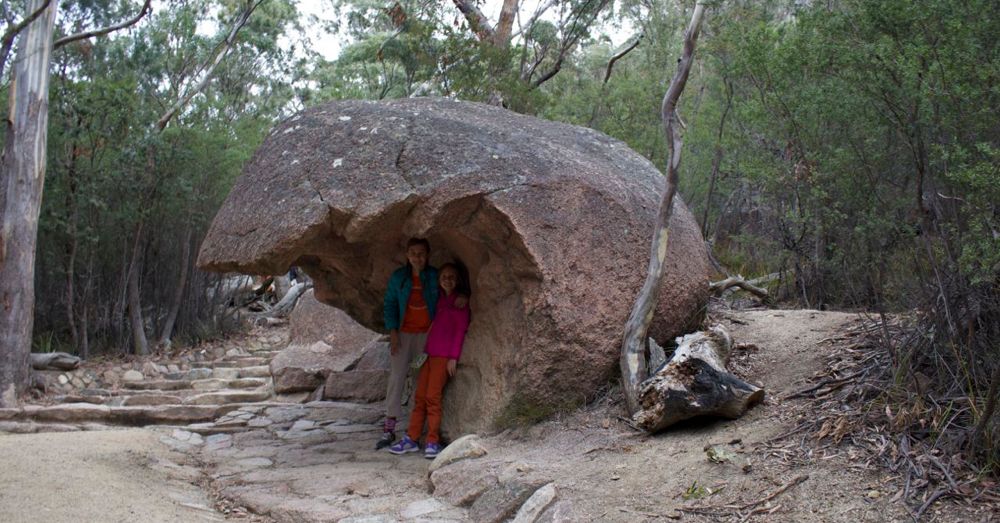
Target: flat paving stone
[(227, 396), (259, 371)]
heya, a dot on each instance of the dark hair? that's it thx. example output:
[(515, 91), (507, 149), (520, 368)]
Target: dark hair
[(419, 241), (462, 287)]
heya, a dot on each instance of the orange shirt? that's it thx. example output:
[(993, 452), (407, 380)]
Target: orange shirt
[(417, 318)]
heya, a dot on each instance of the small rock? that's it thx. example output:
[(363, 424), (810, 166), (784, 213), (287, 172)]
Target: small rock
[(502, 501), (422, 508), (218, 442), (173, 368), (249, 463), (302, 424), (536, 504), (235, 353), (465, 447), (132, 375), (63, 379), (259, 422), (198, 374), (874, 494), (461, 485)]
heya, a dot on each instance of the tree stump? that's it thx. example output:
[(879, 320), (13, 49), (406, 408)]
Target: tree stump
[(695, 383)]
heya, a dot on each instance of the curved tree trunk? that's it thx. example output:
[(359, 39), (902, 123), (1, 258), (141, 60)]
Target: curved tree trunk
[(139, 341), (178, 298), (633, 357), (21, 181)]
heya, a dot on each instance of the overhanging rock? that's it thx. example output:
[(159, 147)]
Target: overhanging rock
[(553, 222)]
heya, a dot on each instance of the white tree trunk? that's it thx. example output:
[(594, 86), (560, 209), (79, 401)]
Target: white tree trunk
[(21, 182), (633, 361)]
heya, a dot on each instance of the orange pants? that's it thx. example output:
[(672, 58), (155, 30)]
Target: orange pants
[(427, 406)]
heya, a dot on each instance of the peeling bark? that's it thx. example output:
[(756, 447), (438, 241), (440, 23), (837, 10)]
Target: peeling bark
[(21, 181)]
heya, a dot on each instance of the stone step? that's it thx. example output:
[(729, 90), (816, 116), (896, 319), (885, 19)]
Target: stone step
[(229, 397), (149, 400), (131, 416), (201, 384), (242, 361), (260, 371)]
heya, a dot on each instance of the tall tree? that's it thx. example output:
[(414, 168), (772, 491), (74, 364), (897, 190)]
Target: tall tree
[(21, 181)]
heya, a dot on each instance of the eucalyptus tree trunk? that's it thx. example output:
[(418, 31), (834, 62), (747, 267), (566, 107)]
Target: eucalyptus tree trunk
[(21, 181), (139, 341), (178, 297), (633, 360)]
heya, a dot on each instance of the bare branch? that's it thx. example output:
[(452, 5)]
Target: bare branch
[(12, 32), (578, 26), (146, 8), (621, 54), (720, 287), (223, 51)]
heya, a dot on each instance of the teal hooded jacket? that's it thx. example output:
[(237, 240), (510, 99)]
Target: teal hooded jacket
[(397, 294)]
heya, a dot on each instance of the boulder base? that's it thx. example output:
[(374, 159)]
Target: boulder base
[(323, 340), (553, 222)]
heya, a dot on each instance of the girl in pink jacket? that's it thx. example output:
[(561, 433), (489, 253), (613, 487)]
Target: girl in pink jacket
[(444, 347)]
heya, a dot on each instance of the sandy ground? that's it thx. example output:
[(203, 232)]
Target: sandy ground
[(608, 472), (100, 476)]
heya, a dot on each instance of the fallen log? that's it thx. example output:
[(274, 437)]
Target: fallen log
[(695, 383), (284, 307), (54, 361), (719, 288)]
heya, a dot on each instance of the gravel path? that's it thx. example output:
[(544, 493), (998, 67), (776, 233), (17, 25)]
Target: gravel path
[(107, 476)]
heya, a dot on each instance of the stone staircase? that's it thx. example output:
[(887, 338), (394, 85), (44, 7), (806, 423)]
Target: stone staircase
[(278, 456), (199, 391)]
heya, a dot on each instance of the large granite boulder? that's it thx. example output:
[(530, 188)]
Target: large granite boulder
[(553, 222), (323, 340)]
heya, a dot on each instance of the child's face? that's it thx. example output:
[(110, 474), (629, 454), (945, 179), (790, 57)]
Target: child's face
[(417, 255), (448, 280)]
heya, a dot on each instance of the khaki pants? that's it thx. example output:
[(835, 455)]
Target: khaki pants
[(410, 346)]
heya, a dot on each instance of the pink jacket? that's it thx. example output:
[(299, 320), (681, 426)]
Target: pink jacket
[(448, 329)]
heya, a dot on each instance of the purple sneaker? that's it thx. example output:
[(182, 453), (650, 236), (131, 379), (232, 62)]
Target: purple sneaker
[(432, 450), (404, 446)]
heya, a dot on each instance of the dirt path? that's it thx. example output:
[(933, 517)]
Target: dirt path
[(314, 462), (108, 476), (604, 471)]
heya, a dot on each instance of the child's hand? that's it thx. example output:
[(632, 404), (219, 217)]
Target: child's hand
[(452, 366), (393, 342), (461, 301)]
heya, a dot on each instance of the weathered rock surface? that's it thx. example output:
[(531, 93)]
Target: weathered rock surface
[(323, 340), (461, 485), (361, 385), (502, 500), (553, 222)]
